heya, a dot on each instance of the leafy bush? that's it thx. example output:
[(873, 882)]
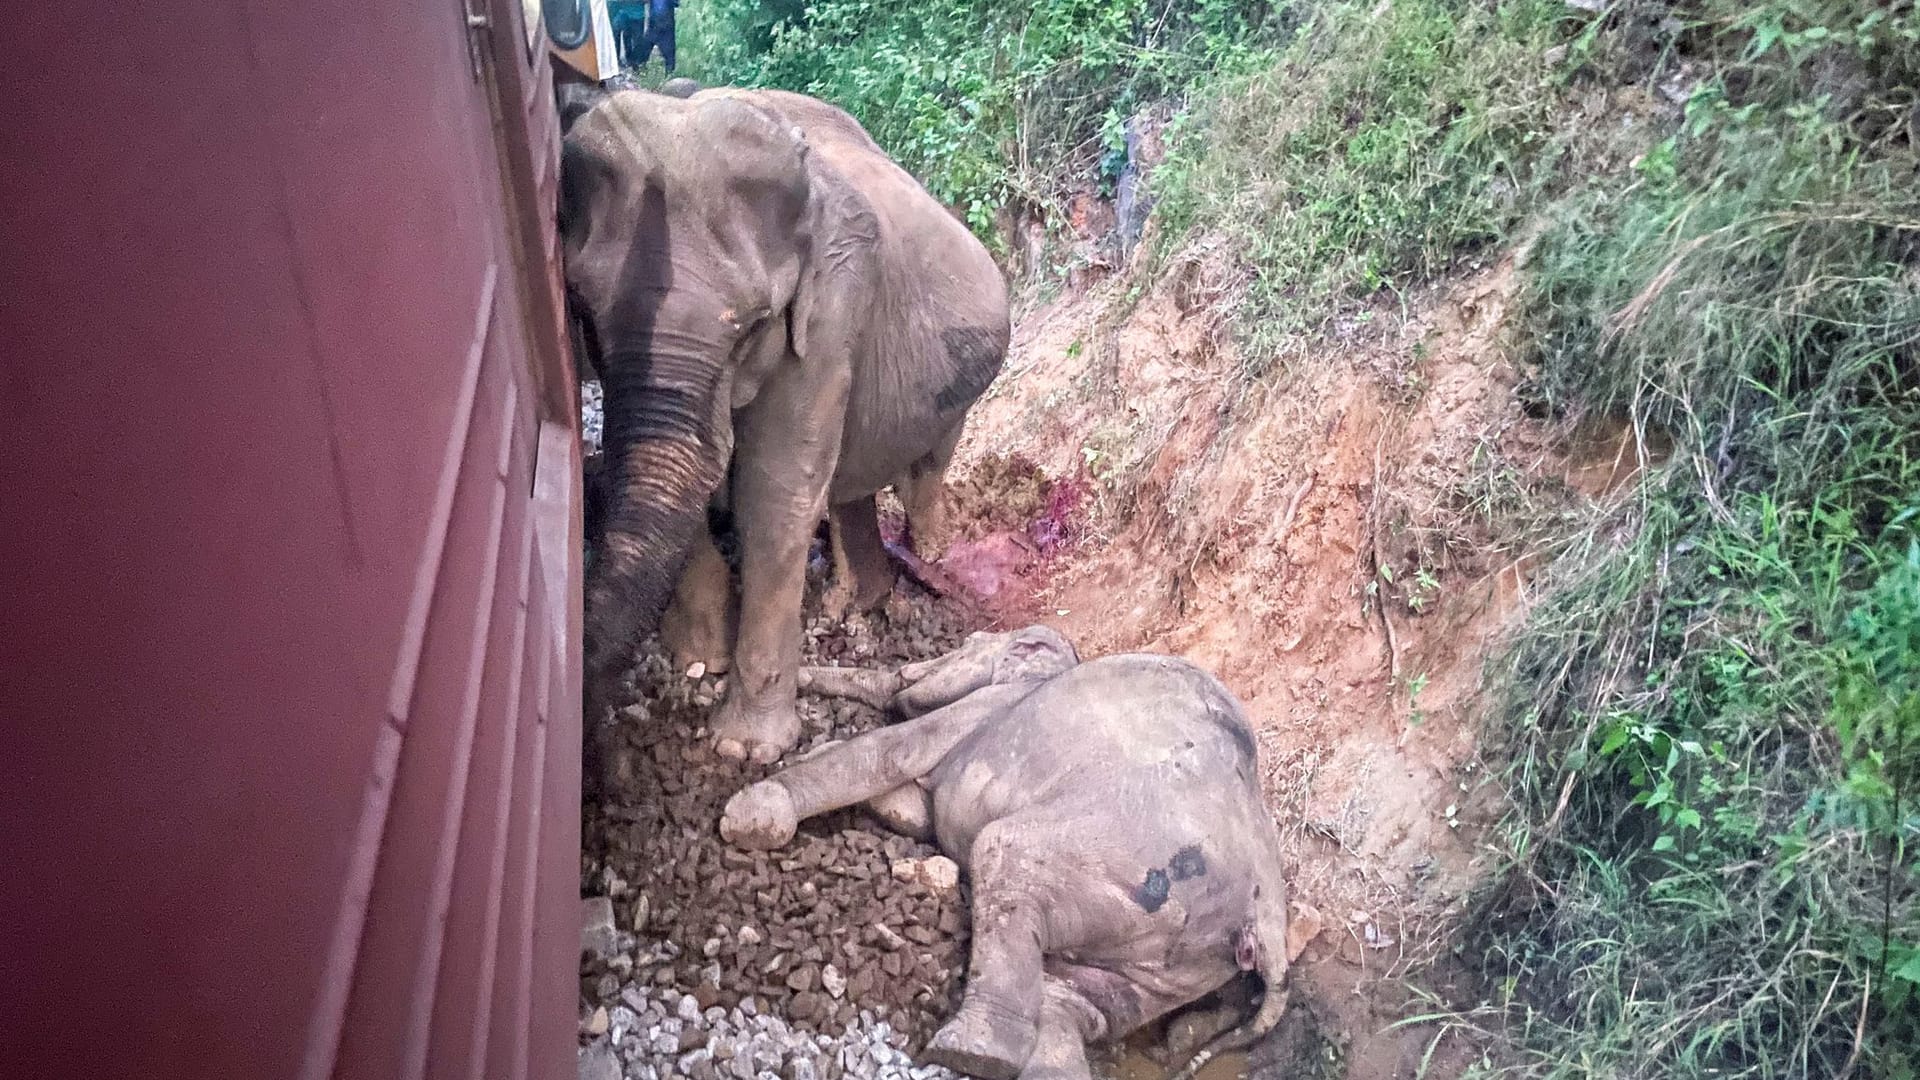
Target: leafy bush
[(985, 103), (1715, 715)]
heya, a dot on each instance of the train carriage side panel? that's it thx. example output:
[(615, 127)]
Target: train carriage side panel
[(289, 703)]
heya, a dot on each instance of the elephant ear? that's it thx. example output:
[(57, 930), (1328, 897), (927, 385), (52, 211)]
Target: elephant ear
[(1035, 654), (838, 274)]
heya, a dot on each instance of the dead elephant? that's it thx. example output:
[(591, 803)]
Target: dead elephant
[(1108, 815)]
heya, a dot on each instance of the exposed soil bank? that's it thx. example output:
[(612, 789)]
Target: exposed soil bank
[(1330, 544)]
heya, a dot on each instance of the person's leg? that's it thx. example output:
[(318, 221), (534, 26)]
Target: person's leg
[(633, 43), (666, 48)]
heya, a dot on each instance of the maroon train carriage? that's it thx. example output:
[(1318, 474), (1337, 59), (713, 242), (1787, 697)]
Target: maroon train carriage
[(291, 553)]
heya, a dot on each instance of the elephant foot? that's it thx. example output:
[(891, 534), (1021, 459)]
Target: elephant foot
[(743, 732), (844, 597), (759, 818), (689, 644), (697, 635), (985, 1041)]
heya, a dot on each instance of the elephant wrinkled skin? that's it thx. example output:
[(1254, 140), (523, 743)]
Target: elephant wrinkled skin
[(785, 323), (1108, 815)]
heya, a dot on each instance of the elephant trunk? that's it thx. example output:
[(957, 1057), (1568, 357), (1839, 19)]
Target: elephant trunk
[(946, 679), (667, 442), (874, 688)]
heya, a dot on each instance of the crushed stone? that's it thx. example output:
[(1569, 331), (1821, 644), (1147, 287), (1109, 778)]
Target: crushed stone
[(818, 961)]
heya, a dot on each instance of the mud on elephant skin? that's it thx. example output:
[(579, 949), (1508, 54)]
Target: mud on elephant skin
[(781, 317), (1109, 816)]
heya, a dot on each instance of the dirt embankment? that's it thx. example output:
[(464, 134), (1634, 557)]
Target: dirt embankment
[(1339, 539), (1340, 544)]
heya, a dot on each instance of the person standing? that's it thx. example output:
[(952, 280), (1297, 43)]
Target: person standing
[(660, 32), (629, 30)]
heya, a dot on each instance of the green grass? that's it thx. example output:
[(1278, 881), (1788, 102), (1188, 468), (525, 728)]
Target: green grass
[(1385, 141), (1714, 717), (988, 104)]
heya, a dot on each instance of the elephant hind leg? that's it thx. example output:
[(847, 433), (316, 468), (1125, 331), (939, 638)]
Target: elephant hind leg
[(1068, 1022), (995, 1032), (923, 490), (1125, 1005), (862, 574)]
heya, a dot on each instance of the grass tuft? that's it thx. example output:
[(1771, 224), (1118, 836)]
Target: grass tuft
[(1714, 715)]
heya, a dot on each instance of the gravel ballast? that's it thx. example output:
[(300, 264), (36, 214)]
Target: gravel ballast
[(835, 956)]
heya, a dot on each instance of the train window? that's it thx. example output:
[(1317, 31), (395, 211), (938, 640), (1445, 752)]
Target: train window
[(567, 22)]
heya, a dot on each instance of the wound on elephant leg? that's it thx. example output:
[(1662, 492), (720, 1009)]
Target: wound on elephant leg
[(1152, 892), (1187, 863), (976, 354)]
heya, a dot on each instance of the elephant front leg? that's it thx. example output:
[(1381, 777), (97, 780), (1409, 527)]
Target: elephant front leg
[(994, 1033), (788, 443), (875, 765)]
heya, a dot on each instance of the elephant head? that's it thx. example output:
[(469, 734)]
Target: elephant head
[(1034, 654), (688, 227)]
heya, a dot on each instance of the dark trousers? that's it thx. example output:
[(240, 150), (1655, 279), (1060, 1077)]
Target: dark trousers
[(660, 37), (631, 35)]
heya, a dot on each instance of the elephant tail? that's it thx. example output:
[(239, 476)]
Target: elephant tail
[(1266, 953)]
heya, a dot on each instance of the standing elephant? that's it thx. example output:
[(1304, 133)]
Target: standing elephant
[(1109, 817), (771, 302)]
